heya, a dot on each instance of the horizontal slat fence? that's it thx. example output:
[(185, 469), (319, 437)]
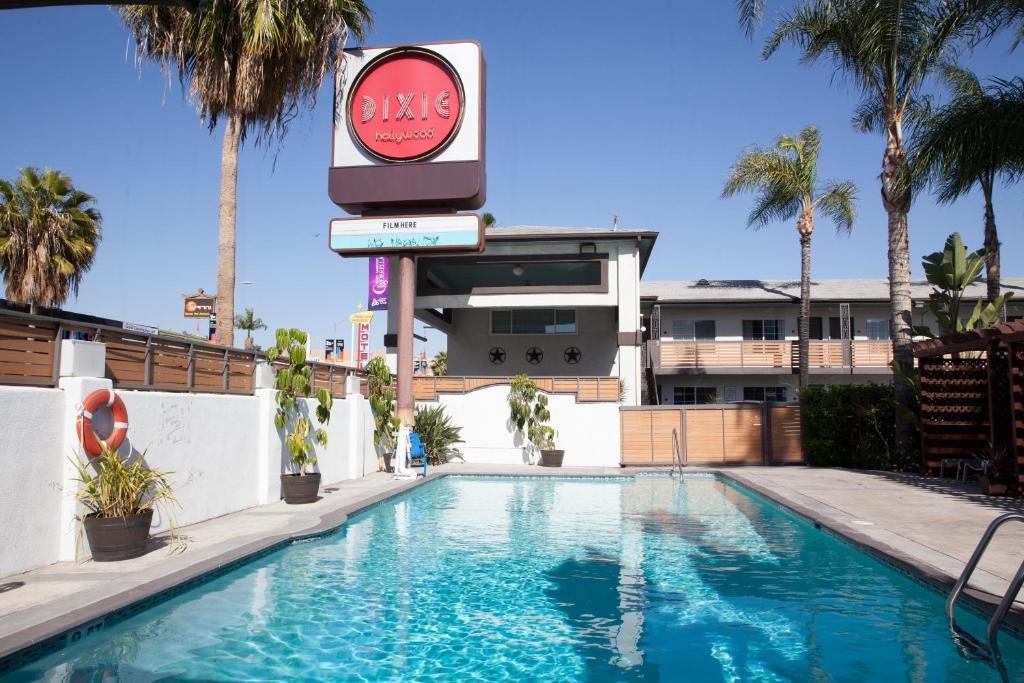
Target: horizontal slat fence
[(586, 389), (30, 354), (732, 434)]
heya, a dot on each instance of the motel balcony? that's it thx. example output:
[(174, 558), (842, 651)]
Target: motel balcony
[(857, 356)]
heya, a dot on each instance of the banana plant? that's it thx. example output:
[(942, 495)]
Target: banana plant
[(950, 272), (293, 381)]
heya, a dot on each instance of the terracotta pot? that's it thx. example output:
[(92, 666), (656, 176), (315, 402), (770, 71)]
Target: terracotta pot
[(118, 538), (991, 488), (297, 489), (551, 458)]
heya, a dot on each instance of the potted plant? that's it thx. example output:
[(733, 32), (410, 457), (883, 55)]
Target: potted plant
[(382, 404), (437, 433), (120, 496), (530, 415), (293, 382), (993, 481)]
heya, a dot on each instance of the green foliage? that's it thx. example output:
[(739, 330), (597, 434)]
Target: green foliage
[(382, 403), (439, 365), (530, 414), (785, 179), (437, 433), (111, 487), (950, 272), (250, 323), (293, 381), (852, 425), (260, 60), (48, 236)]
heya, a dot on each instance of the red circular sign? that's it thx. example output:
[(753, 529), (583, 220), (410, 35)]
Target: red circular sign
[(405, 105)]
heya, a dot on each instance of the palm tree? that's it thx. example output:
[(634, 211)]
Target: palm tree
[(886, 48), (975, 139), (250, 324), (785, 176), (439, 364), (489, 220), (252, 63), (48, 237)]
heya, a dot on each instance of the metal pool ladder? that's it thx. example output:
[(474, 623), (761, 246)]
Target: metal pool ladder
[(1011, 593), (678, 462)]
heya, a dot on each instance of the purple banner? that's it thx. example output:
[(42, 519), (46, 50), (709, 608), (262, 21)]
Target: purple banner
[(378, 288)]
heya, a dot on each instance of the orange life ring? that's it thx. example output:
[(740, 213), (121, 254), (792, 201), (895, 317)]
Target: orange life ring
[(83, 426)]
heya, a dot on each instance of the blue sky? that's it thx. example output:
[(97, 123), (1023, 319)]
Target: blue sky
[(594, 109)]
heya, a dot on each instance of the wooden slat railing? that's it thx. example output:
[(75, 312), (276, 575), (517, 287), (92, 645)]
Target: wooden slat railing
[(717, 354), (586, 389), (30, 354), (768, 354)]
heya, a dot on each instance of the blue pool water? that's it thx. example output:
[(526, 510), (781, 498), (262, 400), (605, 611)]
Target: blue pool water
[(517, 579)]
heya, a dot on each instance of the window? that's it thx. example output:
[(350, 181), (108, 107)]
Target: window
[(693, 329), (764, 394), (693, 395), (878, 328), (835, 328), (533, 321), (817, 332), (763, 330)]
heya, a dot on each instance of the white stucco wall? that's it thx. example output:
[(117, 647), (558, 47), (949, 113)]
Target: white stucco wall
[(206, 440), (224, 453), (729, 317), (31, 460), (723, 383), (471, 340), (587, 432)]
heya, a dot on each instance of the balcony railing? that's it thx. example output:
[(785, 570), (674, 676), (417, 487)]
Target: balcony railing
[(672, 354)]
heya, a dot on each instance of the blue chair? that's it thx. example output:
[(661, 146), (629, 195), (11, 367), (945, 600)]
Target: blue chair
[(416, 452)]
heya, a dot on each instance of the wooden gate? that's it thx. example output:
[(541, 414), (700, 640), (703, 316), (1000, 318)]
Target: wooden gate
[(733, 434)]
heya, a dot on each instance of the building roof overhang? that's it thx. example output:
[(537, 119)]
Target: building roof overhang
[(535, 233)]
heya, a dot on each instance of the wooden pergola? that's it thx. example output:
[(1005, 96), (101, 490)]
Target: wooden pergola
[(972, 399)]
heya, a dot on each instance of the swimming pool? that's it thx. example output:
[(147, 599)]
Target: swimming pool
[(504, 578)]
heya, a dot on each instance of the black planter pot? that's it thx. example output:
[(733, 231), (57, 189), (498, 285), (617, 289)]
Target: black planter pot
[(297, 489), (118, 538), (551, 458)]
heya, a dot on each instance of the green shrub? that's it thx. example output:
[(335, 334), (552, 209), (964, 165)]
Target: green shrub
[(852, 425), (437, 433)]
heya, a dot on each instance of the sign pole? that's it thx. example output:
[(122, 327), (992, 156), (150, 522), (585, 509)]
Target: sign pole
[(406, 295)]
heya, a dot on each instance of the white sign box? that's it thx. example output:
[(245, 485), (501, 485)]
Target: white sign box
[(392, 234), (465, 58)]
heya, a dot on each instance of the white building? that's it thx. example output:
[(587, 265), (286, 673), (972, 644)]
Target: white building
[(733, 340)]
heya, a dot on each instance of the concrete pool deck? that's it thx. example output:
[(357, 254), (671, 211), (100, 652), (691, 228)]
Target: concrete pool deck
[(924, 524)]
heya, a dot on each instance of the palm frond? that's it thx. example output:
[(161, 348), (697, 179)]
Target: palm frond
[(837, 200)]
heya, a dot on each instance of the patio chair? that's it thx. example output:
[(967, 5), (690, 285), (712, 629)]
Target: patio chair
[(977, 467), (416, 452)]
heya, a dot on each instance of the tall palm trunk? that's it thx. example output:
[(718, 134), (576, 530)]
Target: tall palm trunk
[(896, 200), (226, 238), (991, 243), (805, 226)]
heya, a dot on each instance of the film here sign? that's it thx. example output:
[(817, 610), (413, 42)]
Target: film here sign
[(394, 234)]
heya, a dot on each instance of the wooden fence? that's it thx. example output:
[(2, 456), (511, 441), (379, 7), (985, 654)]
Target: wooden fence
[(731, 434), (586, 389), (30, 355), (954, 409)]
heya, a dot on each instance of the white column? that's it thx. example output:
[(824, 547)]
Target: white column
[(82, 366), (269, 447), (628, 268)]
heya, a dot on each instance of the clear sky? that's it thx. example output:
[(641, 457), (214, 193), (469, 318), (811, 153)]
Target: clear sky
[(594, 109)]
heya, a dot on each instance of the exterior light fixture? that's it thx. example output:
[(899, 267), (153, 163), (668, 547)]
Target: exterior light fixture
[(588, 248), (517, 270)]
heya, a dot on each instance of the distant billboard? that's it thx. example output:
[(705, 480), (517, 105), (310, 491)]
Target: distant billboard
[(199, 304)]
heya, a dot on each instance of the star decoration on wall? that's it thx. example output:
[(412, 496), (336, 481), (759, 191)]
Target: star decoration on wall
[(497, 355), (572, 355), (534, 355)]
